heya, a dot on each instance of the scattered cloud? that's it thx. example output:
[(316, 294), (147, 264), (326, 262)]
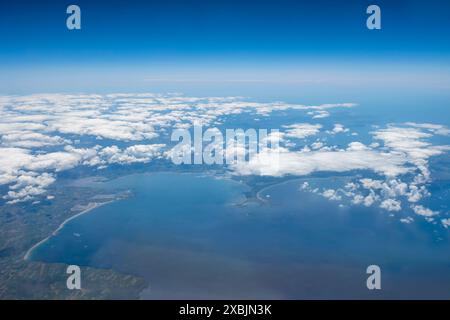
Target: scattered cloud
[(422, 211), (339, 128), (44, 134), (302, 130), (400, 162), (319, 114), (446, 223), (331, 194), (391, 205), (407, 220), (301, 163)]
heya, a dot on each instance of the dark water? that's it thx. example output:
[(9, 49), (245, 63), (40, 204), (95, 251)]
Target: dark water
[(186, 235)]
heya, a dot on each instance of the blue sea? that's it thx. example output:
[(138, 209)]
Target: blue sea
[(195, 236)]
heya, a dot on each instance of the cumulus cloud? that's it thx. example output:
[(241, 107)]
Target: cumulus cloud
[(331, 194), (132, 154), (403, 155), (407, 220), (302, 130), (434, 128), (29, 139), (356, 146), (29, 174), (391, 205), (446, 223), (422, 211), (28, 185), (319, 114), (339, 128), (40, 133), (273, 163), (317, 145), (410, 141)]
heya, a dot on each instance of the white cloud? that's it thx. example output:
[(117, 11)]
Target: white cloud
[(57, 161), (356, 146), (302, 130), (410, 142), (434, 128), (446, 223), (27, 185), (29, 139), (416, 193), (403, 156), (29, 174), (339, 128), (317, 145), (304, 163), (319, 114), (132, 154), (370, 199), (391, 205), (44, 134), (422, 211), (407, 220), (331, 194), (358, 199)]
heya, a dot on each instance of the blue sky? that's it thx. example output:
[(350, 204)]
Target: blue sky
[(137, 42)]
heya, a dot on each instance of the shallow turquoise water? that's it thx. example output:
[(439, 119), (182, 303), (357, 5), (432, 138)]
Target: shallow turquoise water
[(185, 234)]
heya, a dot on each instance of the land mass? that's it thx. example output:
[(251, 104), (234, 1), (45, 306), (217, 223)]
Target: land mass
[(24, 227)]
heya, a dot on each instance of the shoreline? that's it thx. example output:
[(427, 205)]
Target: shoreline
[(266, 200), (258, 194), (91, 206)]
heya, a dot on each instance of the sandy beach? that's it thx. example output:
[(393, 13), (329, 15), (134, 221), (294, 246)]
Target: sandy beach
[(89, 207)]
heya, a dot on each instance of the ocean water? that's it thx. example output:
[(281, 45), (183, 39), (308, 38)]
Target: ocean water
[(195, 236)]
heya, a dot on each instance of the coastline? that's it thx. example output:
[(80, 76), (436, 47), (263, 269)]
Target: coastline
[(300, 179), (266, 200), (91, 206)]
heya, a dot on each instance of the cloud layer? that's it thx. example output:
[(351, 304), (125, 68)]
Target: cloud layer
[(44, 134)]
